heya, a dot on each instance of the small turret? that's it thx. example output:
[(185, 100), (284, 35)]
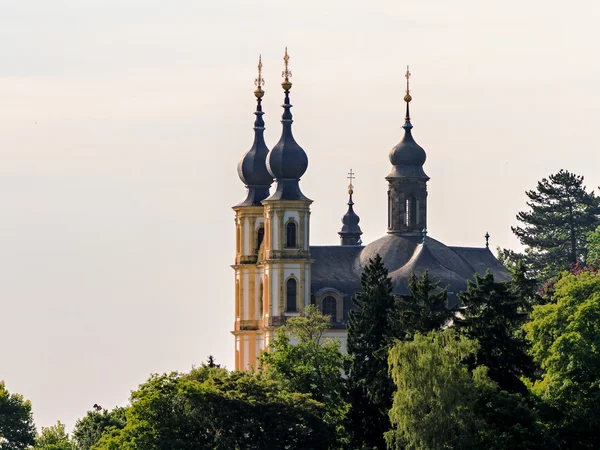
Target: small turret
[(350, 232)]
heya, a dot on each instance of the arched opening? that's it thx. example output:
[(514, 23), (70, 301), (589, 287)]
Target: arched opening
[(291, 234), (413, 211), (291, 295), (260, 236), (330, 308)]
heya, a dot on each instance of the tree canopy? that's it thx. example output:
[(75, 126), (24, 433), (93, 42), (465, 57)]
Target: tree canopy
[(565, 341), (555, 228), (17, 431), (216, 409)]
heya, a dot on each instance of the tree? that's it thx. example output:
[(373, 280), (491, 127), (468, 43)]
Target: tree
[(554, 230), (16, 421), (313, 365), (443, 403), (425, 308), (436, 393), (593, 245), (565, 341), (371, 331), (89, 429), (53, 438), (221, 410), (492, 314)]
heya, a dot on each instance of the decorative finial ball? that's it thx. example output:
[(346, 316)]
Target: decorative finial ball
[(407, 98), (258, 92), (350, 191), (286, 84)]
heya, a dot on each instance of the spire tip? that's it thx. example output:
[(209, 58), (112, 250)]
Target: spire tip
[(286, 74)]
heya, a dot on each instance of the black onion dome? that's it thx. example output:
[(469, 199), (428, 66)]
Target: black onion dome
[(287, 160), (252, 168), (407, 156), (350, 220)]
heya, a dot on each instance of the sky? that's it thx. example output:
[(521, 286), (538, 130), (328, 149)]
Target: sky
[(122, 122)]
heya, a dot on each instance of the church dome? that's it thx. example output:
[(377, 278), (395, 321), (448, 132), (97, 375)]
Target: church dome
[(407, 152), (252, 168), (287, 159), (399, 255)]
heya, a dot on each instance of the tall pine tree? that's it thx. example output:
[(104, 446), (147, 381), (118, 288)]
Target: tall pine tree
[(371, 331), (555, 229)]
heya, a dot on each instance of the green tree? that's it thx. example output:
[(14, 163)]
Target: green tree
[(211, 408), (565, 339), (442, 403), (593, 245), (554, 230), (371, 331), (16, 421), (492, 314), (434, 404), (53, 438), (312, 365), (89, 429), (425, 308)]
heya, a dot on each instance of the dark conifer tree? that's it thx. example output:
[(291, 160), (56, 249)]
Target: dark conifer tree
[(555, 229), (371, 331), (492, 313), (425, 308)]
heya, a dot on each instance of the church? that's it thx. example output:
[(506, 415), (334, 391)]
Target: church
[(278, 273)]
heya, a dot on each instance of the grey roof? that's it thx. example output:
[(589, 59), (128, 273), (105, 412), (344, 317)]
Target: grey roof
[(339, 267)]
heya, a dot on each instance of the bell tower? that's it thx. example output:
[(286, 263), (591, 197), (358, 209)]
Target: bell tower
[(407, 182), (287, 263), (249, 237)]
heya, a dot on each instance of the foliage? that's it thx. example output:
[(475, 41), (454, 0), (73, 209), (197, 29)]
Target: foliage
[(371, 331), (425, 308), (442, 403), (554, 230), (565, 341), (313, 365), (16, 421), (216, 409), (593, 246), (89, 429), (53, 438), (434, 402), (493, 315)]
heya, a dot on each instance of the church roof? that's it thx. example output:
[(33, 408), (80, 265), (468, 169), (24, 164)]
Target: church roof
[(340, 267)]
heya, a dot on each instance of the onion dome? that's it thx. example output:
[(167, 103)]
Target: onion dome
[(350, 232), (287, 161), (252, 168), (407, 156)]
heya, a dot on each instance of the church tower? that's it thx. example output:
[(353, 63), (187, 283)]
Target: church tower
[(286, 259), (407, 191), (249, 236), (350, 232)]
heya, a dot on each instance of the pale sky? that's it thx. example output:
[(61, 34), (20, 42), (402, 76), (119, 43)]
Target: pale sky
[(122, 121)]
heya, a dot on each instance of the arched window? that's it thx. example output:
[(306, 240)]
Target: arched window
[(260, 235), (330, 308), (291, 231), (291, 295), (413, 211), (407, 213)]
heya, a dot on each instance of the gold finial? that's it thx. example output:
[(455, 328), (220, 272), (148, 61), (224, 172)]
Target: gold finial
[(351, 186), (407, 97), (286, 74), (260, 81)]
